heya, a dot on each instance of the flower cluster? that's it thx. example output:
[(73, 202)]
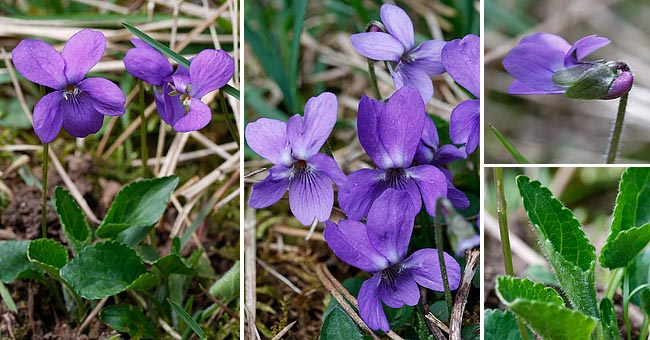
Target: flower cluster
[(402, 141), (545, 63), (79, 105)]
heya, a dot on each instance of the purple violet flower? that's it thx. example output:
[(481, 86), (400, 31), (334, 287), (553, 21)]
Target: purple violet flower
[(294, 149), (77, 104), (390, 133), (379, 247), (461, 59), (545, 63), (413, 65), (178, 95)]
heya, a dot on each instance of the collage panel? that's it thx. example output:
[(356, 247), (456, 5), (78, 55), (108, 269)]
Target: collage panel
[(567, 246), (362, 166), (566, 86), (119, 170)]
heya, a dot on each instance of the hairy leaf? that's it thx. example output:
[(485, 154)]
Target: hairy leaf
[(127, 319), (14, 263), (339, 325), (567, 248), (553, 322), (509, 288), (48, 255), (73, 221), (501, 325)]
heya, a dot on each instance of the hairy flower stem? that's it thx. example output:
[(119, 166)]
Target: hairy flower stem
[(232, 129), (614, 281), (144, 153), (373, 79), (441, 258), (626, 300), (502, 214), (615, 138), (46, 158)]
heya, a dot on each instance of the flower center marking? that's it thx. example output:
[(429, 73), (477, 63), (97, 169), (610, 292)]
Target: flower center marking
[(70, 91), (390, 275)]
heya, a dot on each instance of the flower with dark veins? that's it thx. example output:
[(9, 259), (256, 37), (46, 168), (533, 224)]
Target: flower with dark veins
[(461, 58), (379, 247), (412, 66), (390, 133), (77, 104), (294, 149), (545, 63)]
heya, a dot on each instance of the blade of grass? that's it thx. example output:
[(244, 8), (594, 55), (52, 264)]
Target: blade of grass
[(188, 319), (299, 11), (170, 53), (6, 297), (511, 148)]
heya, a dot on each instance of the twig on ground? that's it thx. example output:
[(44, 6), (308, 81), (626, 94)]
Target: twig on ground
[(284, 331), (91, 316), (279, 276), (456, 319)]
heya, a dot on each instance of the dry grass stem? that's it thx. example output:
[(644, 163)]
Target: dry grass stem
[(91, 316), (456, 318), (283, 331), (279, 276)]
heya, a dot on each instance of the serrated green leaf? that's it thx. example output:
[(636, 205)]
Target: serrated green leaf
[(173, 264), (127, 319), (188, 319), (139, 205), (170, 53), (509, 288), (144, 282), (14, 263), (103, 269), (630, 229), (608, 325), (501, 325), (48, 255), (551, 321), (73, 221), (567, 248), (338, 325), (227, 287)]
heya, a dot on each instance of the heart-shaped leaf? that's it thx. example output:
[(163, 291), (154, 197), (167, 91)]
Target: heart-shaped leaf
[(567, 248), (630, 229), (509, 288), (227, 287), (73, 221), (173, 264), (48, 255), (14, 263), (127, 319), (136, 208), (554, 322), (339, 325), (103, 269)]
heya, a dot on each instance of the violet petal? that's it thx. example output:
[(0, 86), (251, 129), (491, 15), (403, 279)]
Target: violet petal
[(462, 61), (80, 118), (197, 117), (325, 164), (147, 64), (425, 267), (432, 185), (410, 76), (210, 70), (534, 64), (400, 290), (583, 48), (271, 189), (368, 126), (518, 87), (390, 224), (164, 104), (82, 51), (377, 46), (108, 98), (400, 126), (464, 125), (356, 198), (48, 118), (398, 24), (349, 241), (268, 138), (39, 63), (311, 196), (370, 307), (308, 134), (427, 57)]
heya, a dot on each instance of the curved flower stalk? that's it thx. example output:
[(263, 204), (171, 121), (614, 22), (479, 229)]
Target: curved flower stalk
[(379, 247), (294, 149), (77, 104), (545, 63), (390, 134), (178, 94), (412, 65), (461, 58)]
